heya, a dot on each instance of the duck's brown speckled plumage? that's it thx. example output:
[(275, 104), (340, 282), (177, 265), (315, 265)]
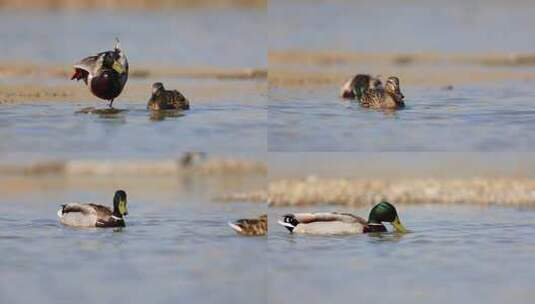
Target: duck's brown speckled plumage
[(163, 99), (389, 97), (354, 87), (251, 227)]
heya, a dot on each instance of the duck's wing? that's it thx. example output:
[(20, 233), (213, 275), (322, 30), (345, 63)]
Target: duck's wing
[(88, 64), (323, 223), (373, 98), (180, 101), (78, 207), (86, 68), (306, 218), (255, 226), (102, 212)]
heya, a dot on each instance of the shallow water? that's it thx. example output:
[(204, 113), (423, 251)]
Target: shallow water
[(400, 26), (176, 247), (453, 255), (164, 38), (52, 130), (467, 118)]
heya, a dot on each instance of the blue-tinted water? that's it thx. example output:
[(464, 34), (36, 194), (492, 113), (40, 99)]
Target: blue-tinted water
[(467, 118), (176, 246), (453, 255)]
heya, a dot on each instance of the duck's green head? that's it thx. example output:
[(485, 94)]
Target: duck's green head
[(119, 203), (110, 60), (386, 212)]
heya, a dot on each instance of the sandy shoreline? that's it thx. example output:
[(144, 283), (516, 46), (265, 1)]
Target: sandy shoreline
[(216, 176), (298, 67), (20, 82), (166, 167), (138, 91)]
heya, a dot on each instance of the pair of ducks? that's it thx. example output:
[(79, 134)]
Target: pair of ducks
[(370, 92), (89, 215), (95, 215), (107, 72)]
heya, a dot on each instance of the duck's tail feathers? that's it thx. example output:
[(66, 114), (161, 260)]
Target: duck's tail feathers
[(235, 227), (117, 44), (60, 212)]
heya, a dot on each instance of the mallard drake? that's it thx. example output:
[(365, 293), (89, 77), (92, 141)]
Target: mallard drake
[(163, 99), (105, 73), (343, 223), (93, 215), (251, 227), (354, 87), (389, 97)]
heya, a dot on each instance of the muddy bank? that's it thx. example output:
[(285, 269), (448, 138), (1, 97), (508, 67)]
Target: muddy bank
[(70, 91), (189, 164), (297, 68), (364, 192), (332, 58)]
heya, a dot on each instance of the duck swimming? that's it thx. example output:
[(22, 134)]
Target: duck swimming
[(251, 227), (389, 97), (163, 99), (354, 87), (105, 73), (93, 215), (343, 223)]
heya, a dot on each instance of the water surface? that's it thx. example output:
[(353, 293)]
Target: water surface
[(467, 118), (51, 130), (175, 247), (402, 26), (453, 255)]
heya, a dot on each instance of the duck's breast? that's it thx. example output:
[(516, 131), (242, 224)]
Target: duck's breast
[(326, 228), (106, 85)]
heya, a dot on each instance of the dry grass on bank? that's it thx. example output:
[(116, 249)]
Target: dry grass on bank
[(360, 192)]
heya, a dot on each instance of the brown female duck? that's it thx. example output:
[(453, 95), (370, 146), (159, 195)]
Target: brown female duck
[(251, 227), (389, 97), (354, 87), (163, 99)]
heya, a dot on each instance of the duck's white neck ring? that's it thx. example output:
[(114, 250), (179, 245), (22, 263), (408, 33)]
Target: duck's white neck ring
[(116, 218)]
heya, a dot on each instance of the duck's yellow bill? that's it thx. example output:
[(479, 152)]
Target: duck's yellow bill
[(122, 208), (398, 226), (118, 67)]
